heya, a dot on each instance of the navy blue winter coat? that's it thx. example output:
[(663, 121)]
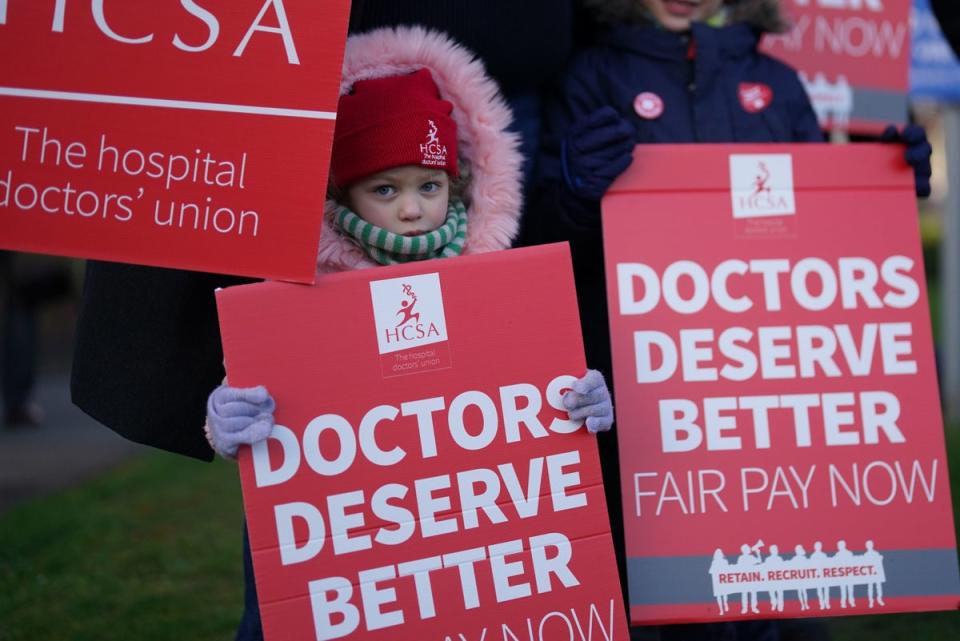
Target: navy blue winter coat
[(698, 77)]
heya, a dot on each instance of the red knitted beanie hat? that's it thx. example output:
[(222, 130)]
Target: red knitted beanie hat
[(393, 121)]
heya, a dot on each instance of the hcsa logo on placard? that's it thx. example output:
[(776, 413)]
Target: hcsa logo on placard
[(762, 185), (408, 312), (434, 152)]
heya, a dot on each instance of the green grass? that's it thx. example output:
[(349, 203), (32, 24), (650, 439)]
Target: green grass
[(924, 626), (149, 551), (933, 294)]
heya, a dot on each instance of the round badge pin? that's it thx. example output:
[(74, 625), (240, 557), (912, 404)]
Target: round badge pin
[(648, 105)]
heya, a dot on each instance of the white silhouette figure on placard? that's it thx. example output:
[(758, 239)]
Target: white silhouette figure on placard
[(823, 591), (718, 565), (844, 556), (875, 558), (800, 559), (748, 559), (774, 562)]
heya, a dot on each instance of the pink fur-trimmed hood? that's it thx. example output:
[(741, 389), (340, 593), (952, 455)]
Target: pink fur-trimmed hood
[(493, 194)]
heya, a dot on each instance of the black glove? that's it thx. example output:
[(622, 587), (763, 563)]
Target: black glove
[(598, 148), (917, 154)]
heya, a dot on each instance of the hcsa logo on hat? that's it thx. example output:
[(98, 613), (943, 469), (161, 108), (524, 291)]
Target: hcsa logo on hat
[(434, 153)]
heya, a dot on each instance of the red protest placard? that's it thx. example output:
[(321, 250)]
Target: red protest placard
[(853, 57), (169, 134), (781, 442), (420, 483)]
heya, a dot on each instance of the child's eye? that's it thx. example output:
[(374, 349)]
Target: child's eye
[(430, 187), (384, 190)]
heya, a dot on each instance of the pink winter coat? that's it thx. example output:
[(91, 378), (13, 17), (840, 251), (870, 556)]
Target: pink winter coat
[(493, 195)]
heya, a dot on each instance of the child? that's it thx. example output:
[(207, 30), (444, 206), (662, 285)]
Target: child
[(661, 71), (422, 167), (397, 185)]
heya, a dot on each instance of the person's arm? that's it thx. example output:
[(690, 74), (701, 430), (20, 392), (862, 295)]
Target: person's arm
[(147, 353), (587, 144)]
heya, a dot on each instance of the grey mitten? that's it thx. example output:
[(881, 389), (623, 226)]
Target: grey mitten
[(589, 399), (238, 416)]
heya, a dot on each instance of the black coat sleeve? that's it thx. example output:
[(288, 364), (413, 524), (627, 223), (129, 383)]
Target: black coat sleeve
[(147, 353), (555, 214)]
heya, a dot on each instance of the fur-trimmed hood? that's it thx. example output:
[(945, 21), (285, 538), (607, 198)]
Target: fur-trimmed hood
[(764, 15), (493, 195)]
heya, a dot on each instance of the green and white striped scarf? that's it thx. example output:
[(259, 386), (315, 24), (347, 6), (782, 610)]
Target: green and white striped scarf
[(388, 248)]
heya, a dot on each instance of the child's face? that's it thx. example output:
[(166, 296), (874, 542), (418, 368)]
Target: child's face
[(676, 15), (408, 200)]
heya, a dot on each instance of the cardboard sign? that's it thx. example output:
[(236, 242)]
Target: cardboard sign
[(781, 443), (169, 133), (934, 68), (853, 57), (420, 483)]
